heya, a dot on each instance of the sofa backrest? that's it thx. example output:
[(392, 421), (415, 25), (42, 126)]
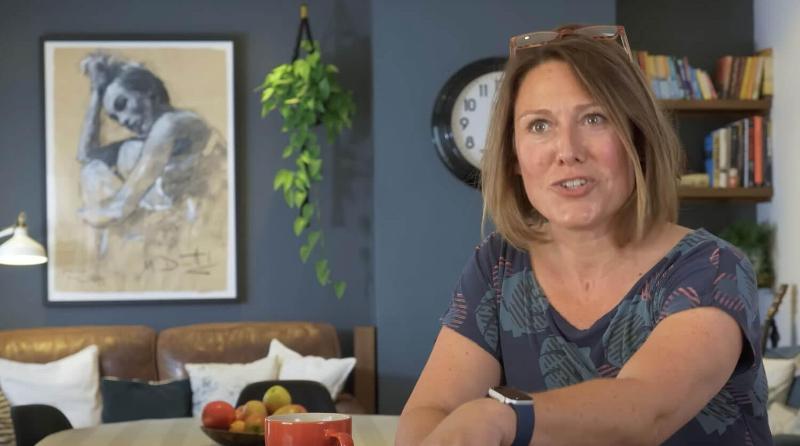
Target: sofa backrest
[(240, 342), (126, 351)]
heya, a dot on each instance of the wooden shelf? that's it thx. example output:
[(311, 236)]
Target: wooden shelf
[(717, 105), (732, 193)]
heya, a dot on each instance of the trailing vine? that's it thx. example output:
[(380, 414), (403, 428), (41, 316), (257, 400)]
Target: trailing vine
[(306, 93)]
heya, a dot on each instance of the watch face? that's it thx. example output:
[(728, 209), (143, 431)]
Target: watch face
[(461, 116), (471, 114)]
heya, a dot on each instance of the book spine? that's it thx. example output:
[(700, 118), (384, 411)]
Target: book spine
[(708, 148), (747, 175), (736, 76), (768, 145), (759, 150)]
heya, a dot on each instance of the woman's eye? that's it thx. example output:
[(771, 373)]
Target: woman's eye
[(120, 103), (538, 126), (595, 119)]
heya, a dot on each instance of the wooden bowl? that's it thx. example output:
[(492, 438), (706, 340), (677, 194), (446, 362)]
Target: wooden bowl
[(227, 438)]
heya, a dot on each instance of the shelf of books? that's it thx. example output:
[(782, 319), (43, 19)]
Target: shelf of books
[(718, 105), (726, 193), (737, 157)]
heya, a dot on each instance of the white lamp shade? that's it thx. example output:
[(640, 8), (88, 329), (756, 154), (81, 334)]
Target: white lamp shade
[(21, 249)]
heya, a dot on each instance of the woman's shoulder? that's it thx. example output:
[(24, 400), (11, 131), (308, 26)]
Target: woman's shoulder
[(702, 243), (703, 256)]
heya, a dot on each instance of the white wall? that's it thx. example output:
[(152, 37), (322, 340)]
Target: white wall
[(777, 26)]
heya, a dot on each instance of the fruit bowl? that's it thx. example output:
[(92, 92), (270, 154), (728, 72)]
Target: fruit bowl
[(227, 438)]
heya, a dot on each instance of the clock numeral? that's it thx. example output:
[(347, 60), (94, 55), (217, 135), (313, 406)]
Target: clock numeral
[(470, 143), (464, 122), (483, 90), (470, 104)]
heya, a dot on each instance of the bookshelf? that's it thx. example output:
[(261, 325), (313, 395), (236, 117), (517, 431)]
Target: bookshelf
[(720, 107), (754, 194), (717, 105)]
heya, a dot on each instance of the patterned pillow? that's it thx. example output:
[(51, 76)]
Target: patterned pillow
[(6, 427), (216, 381)]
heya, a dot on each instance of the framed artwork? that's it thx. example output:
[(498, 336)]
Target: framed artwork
[(140, 170)]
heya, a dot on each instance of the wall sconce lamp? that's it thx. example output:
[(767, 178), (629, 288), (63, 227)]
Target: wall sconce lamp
[(20, 249)]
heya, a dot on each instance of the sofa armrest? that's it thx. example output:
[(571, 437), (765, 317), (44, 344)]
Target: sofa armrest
[(33, 422), (347, 403)]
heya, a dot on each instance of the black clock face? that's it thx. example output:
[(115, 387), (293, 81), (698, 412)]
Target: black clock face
[(461, 117)]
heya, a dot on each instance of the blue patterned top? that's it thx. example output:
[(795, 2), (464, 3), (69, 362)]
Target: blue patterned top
[(499, 305)]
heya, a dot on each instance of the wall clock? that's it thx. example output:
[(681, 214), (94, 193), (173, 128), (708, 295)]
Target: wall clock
[(461, 116)]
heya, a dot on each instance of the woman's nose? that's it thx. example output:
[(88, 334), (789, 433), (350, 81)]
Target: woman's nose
[(570, 148)]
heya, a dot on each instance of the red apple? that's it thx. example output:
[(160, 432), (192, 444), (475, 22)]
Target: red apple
[(218, 415)]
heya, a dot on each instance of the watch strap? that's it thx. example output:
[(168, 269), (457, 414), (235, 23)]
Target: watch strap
[(525, 421)]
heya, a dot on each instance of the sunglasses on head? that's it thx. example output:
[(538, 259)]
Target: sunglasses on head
[(518, 44)]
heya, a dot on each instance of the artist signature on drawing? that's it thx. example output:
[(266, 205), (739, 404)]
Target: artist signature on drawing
[(196, 262)]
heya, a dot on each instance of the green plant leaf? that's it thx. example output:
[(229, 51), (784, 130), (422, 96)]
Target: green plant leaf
[(339, 288), (324, 88), (283, 179), (299, 197), (323, 272), (307, 211), (267, 93), (302, 68), (314, 167), (313, 238), (292, 101), (305, 252), (287, 151), (300, 224)]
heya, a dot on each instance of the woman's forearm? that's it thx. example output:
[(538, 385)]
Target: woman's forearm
[(415, 424), (90, 132), (600, 411)]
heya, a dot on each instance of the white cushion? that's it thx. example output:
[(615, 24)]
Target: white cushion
[(780, 373), (782, 418), (217, 381), (70, 384), (332, 373)]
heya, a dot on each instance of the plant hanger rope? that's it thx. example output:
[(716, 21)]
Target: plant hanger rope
[(304, 26)]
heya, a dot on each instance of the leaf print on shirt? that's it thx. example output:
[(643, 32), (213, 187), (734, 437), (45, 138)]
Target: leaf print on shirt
[(486, 319), (719, 413), (758, 394), (627, 331), (523, 306), (563, 363)]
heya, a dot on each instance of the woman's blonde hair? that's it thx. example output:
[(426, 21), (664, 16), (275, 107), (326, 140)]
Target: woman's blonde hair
[(617, 84)]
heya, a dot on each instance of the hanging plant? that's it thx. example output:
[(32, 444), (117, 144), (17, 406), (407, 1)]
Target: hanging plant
[(306, 93)]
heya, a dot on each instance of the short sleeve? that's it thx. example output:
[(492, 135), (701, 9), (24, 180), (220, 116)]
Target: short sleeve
[(473, 306), (715, 274)]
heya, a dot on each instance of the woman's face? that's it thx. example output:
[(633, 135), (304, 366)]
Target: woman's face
[(129, 108), (571, 159)]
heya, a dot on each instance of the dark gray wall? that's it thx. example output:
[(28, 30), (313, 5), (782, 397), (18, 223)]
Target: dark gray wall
[(703, 31), (273, 282), (426, 221)]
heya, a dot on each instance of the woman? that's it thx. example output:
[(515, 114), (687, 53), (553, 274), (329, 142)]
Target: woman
[(623, 327), (152, 169), (171, 161)]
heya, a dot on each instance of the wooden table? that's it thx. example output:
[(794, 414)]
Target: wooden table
[(368, 430)]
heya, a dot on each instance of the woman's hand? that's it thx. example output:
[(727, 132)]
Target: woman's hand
[(483, 422), (101, 69)]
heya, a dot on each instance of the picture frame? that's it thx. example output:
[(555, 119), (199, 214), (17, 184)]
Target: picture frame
[(140, 144)]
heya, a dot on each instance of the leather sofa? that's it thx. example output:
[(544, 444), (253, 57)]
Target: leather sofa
[(139, 352)]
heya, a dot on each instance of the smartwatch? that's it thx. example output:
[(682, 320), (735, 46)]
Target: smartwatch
[(522, 403)]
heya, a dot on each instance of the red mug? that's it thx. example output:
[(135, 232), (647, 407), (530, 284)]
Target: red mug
[(308, 429)]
